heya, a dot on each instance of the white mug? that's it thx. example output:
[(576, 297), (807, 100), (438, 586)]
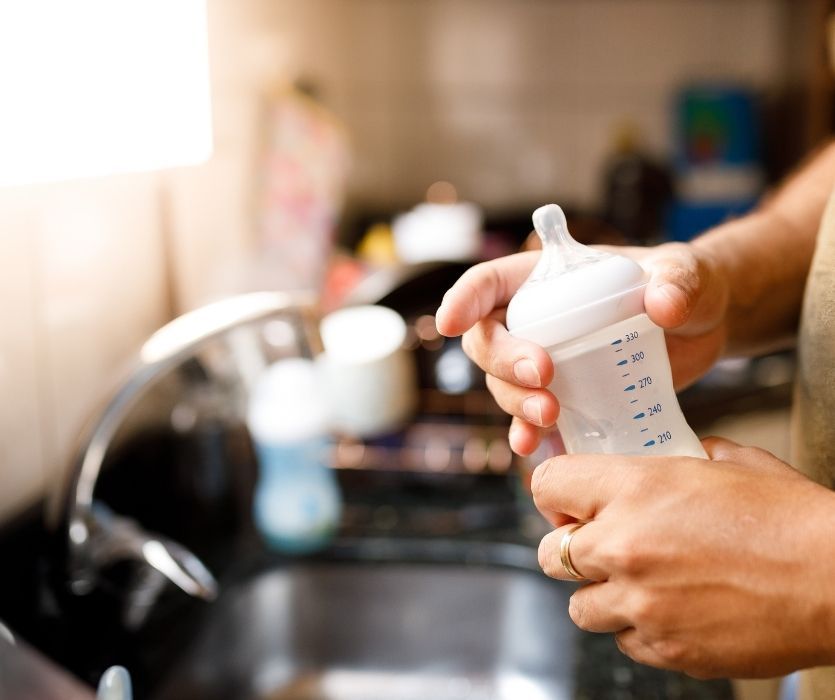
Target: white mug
[(369, 375)]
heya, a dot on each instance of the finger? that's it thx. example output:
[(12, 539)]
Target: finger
[(722, 450), (667, 653), (685, 289), (492, 348), (633, 645), (481, 289), (536, 406), (581, 551), (690, 354), (599, 607), (523, 437), (580, 486)]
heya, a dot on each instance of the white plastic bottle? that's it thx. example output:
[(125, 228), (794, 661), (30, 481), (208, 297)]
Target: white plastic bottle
[(611, 368)]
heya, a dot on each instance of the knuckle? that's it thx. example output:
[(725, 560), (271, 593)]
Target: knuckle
[(578, 611), (541, 479), (628, 645), (630, 561), (546, 555), (494, 362), (492, 385), (474, 278), (702, 670), (482, 345), (623, 555), (702, 674), (501, 394), (643, 610), (761, 454), (672, 652), (623, 645), (467, 344)]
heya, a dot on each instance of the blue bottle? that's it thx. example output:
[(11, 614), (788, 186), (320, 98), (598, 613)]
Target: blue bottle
[(297, 503)]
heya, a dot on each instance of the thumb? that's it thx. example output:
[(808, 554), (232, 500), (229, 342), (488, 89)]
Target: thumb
[(685, 289), (722, 450), (482, 289)]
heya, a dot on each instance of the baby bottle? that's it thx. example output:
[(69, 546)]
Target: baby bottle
[(611, 370)]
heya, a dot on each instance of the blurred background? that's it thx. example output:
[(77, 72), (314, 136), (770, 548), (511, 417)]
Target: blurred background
[(309, 126)]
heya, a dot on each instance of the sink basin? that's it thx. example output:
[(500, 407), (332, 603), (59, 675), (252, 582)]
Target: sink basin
[(385, 631)]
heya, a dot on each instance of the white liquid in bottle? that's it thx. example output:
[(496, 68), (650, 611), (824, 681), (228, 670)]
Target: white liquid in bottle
[(611, 368)]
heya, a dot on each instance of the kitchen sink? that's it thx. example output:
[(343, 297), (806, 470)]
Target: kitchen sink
[(382, 631)]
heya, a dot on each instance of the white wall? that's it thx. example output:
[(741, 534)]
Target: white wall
[(81, 285), (89, 269)]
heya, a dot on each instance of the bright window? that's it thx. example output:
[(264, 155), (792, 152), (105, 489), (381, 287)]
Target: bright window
[(98, 87)]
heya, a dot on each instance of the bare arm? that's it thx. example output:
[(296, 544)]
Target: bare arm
[(766, 256)]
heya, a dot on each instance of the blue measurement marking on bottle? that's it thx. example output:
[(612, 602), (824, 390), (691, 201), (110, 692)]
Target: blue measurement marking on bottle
[(639, 416), (622, 362), (643, 430), (617, 342), (631, 387), (634, 401), (650, 443)]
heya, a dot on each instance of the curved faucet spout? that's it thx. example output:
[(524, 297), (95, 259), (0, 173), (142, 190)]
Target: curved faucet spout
[(95, 535), (115, 538)]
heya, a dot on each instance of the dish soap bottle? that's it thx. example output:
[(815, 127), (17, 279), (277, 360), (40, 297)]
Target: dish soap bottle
[(297, 502)]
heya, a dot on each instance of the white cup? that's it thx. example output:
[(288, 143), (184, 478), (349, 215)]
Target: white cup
[(438, 232), (369, 375)]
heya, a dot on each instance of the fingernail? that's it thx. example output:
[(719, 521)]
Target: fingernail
[(526, 372), (532, 408)]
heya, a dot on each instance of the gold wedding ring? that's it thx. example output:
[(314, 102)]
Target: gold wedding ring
[(565, 555)]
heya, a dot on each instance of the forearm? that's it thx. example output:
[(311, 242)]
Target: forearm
[(817, 592), (766, 257)]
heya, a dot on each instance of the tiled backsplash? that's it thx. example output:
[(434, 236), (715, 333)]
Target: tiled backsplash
[(513, 100)]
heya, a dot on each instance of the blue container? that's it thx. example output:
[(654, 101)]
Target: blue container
[(297, 501), (717, 125), (717, 163)]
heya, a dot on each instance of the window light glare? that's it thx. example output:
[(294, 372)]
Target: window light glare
[(99, 87)]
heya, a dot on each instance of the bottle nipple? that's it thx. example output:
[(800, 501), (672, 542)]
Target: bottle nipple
[(573, 289), (560, 252)]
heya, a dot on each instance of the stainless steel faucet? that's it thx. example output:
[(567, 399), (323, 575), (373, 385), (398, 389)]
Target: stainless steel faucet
[(97, 537)]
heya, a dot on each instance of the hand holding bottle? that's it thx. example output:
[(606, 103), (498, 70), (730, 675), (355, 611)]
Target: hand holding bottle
[(686, 295)]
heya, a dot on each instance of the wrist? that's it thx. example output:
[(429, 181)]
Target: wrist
[(764, 267), (733, 251)]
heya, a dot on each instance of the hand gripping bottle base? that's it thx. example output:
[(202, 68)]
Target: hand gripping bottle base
[(611, 368)]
